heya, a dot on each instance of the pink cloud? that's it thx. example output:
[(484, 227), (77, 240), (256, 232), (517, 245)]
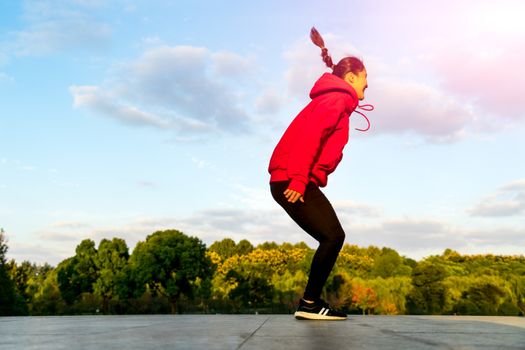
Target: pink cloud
[(414, 107), (488, 70), (473, 51), (403, 104)]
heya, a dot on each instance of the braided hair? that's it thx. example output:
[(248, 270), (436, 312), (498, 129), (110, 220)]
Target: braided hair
[(344, 66)]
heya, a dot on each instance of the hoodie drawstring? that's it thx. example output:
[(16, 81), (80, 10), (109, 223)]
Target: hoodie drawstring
[(367, 108)]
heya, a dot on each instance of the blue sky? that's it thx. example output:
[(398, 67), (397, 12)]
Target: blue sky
[(120, 118)]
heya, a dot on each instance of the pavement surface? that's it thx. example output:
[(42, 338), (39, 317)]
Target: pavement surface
[(261, 332)]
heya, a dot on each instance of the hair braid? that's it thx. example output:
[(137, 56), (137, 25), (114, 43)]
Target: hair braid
[(317, 39)]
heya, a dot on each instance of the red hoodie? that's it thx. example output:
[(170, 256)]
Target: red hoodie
[(312, 146)]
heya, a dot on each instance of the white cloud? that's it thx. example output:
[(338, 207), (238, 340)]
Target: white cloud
[(500, 237), (62, 237), (269, 102), (230, 65), (94, 98), (353, 209), (171, 88), (257, 226), (259, 222), (69, 225), (59, 241), (403, 107), (412, 237), (52, 26), (508, 200), (39, 252)]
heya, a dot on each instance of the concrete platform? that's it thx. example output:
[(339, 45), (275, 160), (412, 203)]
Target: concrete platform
[(261, 332)]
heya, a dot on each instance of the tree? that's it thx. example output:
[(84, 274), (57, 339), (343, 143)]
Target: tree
[(364, 298), (111, 261), (225, 248), (170, 263), (3, 248), (244, 247), (428, 294), (481, 299), (85, 265), (46, 298), (389, 264), (268, 246), (251, 290), (76, 275), (20, 276), (335, 293), (356, 261), (391, 293), (7, 290)]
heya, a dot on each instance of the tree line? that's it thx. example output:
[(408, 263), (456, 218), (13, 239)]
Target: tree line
[(170, 272)]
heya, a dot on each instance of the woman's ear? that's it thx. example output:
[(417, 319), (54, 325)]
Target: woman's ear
[(350, 78)]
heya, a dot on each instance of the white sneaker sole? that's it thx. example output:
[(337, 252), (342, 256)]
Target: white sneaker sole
[(301, 315)]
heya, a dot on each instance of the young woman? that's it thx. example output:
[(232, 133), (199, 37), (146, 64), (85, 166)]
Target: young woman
[(310, 149)]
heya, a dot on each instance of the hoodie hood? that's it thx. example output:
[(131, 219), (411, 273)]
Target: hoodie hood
[(329, 83), (332, 83)]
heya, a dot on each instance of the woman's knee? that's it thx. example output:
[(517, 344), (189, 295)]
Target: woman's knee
[(336, 238), (341, 239)]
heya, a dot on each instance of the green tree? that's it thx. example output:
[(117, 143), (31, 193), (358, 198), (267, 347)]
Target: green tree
[(428, 294), (46, 298), (289, 287), (268, 246), (8, 298), (251, 290), (518, 286), (389, 264), (111, 261), (86, 255), (20, 275), (244, 247), (355, 261), (391, 294), (68, 280), (481, 299), (170, 263), (225, 248), (77, 275)]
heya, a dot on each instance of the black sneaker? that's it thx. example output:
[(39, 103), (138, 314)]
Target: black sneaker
[(318, 310)]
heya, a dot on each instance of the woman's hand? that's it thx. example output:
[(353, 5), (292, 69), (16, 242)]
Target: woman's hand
[(293, 196)]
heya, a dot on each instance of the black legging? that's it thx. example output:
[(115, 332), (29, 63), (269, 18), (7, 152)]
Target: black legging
[(317, 217)]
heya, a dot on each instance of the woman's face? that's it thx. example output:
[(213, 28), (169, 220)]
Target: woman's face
[(358, 82)]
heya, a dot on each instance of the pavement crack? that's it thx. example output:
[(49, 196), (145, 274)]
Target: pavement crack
[(251, 335)]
